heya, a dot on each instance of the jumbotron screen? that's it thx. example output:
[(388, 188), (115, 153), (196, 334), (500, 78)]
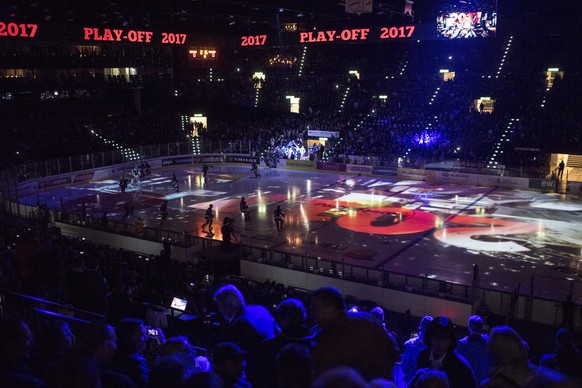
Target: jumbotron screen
[(459, 19)]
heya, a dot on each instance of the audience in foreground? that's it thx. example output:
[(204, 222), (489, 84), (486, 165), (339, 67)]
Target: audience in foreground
[(244, 345)]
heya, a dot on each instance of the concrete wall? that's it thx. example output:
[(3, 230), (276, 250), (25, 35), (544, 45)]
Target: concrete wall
[(393, 300), (119, 241)]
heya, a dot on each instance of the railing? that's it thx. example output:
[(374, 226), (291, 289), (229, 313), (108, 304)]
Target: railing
[(69, 164), (341, 270), (37, 312), (183, 239)]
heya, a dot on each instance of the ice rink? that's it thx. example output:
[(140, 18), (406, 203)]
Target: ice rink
[(411, 227)]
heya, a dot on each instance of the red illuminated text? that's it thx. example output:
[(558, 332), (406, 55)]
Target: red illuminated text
[(331, 35), (171, 38), (18, 30), (357, 34), (254, 40), (396, 32), (132, 36), (117, 35)]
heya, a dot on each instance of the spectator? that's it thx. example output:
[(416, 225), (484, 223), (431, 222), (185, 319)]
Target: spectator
[(76, 369), (356, 340), (26, 254), (180, 348), (53, 345), (167, 372), (156, 314), (473, 348), (340, 376), (16, 340), (294, 367), (246, 326), (229, 364), (440, 354), (291, 319), (412, 349), (566, 358), (547, 378), (101, 341), (92, 290), (432, 379), (131, 339), (378, 313), (203, 380), (509, 359)]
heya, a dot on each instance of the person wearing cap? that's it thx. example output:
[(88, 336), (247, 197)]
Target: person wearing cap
[(247, 326), (356, 340), (229, 364), (412, 349), (474, 348)]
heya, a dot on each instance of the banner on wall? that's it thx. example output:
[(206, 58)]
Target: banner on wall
[(317, 133), (301, 164), (385, 170), (177, 161), (455, 177), (328, 166), (64, 180), (207, 159), (122, 168), (543, 184), (84, 177), (574, 187), (414, 173), (241, 159), (359, 169), (505, 181)]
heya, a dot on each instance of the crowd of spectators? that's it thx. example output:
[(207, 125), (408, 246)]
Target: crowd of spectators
[(422, 116), (114, 328)]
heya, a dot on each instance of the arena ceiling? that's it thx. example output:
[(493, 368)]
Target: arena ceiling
[(201, 16), (234, 17)]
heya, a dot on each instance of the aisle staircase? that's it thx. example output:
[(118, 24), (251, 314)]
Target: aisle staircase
[(127, 153), (501, 145)]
